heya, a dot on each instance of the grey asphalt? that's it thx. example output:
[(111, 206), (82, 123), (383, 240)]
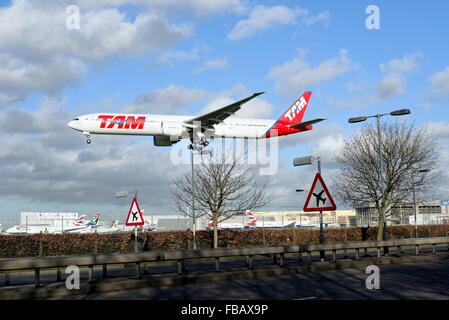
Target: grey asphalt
[(424, 280)]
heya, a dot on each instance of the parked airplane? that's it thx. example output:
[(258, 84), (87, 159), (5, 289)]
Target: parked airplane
[(307, 224), (92, 229), (169, 129), (77, 225), (249, 223), (89, 225), (252, 223)]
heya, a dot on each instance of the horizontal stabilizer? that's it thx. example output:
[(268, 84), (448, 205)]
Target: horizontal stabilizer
[(304, 124)]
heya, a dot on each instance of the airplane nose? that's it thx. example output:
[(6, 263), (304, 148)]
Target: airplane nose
[(71, 124)]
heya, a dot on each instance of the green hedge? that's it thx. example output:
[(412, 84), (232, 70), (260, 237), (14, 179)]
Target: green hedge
[(123, 242)]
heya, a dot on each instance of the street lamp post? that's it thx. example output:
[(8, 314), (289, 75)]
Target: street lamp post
[(201, 152), (193, 203), (300, 216), (415, 208), (307, 161), (124, 194), (399, 112)]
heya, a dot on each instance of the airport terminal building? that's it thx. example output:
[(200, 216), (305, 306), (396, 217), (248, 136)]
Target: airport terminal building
[(428, 212)]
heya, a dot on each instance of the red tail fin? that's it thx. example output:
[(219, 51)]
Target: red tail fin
[(252, 219), (293, 115)]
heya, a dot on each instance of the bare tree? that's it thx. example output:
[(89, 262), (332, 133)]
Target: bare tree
[(222, 189), (405, 150)]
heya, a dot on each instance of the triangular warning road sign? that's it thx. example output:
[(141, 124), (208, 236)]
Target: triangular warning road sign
[(319, 198), (135, 216)]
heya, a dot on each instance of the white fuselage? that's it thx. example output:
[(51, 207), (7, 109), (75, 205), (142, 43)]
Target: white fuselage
[(42, 229), (166, 125)]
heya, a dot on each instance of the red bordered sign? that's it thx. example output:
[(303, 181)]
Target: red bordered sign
[(319, 198), (135, 216)]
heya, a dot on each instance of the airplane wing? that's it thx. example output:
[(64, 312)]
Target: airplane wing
[(74, 228), (208, 120), (304, 124)]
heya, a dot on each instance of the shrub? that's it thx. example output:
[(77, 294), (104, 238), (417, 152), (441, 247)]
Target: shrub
[(80, 244)]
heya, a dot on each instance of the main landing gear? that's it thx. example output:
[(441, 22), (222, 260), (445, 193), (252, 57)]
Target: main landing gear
[(198, 146)]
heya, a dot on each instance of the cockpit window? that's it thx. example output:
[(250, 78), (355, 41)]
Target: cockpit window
[(76, 119)]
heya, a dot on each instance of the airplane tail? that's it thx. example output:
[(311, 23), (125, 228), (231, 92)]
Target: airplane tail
[(115, 225), (94, 221), (252, 219), (210, 224), (292, 116), (81, 221), (97, 218)]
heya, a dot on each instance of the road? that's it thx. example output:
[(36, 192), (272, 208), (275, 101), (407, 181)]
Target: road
[(424, 280), (49, 276)]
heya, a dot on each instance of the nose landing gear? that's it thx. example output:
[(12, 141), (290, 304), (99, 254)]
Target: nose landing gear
[(87, 135)]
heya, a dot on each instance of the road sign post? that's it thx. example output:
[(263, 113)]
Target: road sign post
[(323, 202), (135, 219)]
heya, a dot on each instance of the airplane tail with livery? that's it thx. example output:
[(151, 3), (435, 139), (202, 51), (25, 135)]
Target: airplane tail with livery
[(252, 219), (81, 221), (94, 221), (115, 226), (291, 120)]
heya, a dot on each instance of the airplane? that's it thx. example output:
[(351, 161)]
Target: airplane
[(250, 223), (319, 198), (77, 225), (170, 129), (91, 229), (306, 224), (90, 224)]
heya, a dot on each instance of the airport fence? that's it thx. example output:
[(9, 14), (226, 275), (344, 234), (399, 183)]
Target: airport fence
[(14, 246)]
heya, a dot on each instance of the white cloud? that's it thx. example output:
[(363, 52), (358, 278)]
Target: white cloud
[(320, 131), (256, 108), (297, 74), (213, 64), (197, 8), (262, 18), (322, 17), (19, 77), (173, 57), (328, 147), (407, 64), (440, 81), (394, 82), (440, 129), (38, 52), (103, 33), (172, 99), (175, 99)]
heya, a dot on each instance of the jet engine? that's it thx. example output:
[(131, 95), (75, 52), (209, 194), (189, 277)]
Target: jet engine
[(164, 141)]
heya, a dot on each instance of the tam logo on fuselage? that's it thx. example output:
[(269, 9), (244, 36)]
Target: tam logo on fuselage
[(122, 122), (296, 108)]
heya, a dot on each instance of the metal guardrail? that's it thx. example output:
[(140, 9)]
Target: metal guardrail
[(7, 266)]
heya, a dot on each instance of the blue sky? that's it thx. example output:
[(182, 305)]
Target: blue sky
[(188, 55)]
